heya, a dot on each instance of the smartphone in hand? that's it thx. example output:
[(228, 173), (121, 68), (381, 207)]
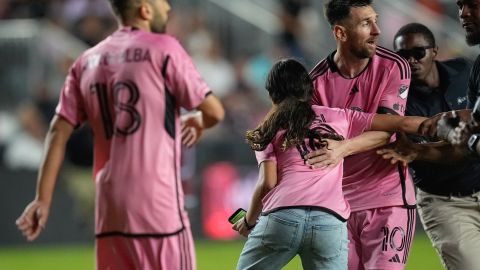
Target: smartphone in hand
[(237, 215)]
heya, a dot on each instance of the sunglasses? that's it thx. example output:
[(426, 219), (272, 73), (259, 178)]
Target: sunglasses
[(416, 52)]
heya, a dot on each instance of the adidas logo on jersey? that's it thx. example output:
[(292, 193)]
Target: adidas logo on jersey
[(354, 90), (395, 259)]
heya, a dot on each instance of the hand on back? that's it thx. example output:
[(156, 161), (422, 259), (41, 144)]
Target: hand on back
[(327, 157)]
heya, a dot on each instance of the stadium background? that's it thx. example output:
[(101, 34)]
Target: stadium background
[(233, 43)]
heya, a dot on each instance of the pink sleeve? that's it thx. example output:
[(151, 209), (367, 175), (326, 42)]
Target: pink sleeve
[(184, 80), (267, 154), (359, 122), (394, 97), (316, 99), (70, 106)]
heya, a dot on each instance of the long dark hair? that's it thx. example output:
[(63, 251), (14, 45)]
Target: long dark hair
[(290, 89)]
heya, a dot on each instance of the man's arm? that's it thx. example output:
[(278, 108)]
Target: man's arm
[(337, 150), (439, 152), (396, 123), (212, 111), (35, 215), (429, 127), (209, 113), (367, 141)]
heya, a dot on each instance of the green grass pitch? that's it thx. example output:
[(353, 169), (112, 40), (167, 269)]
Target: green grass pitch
[(211, 255)]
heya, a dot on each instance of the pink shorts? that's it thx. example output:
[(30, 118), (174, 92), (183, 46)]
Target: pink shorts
[(380, 238), (119, 252)]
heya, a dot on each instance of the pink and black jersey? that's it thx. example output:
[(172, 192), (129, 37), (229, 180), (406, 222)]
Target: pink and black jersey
[(129, 88), (382, 87), (298, 185)]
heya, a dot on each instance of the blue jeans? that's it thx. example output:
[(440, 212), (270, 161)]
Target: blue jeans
[(319, 238)]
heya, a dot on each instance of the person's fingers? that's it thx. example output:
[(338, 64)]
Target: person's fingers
[(394, 161), (35, 233), (383, 151), (190, 137), (26, 219), (23, 222), (331, 166), (322, 156), (189, 140), (315, 153), (185, 131), (24, 226), (321, 165), (388, 155)]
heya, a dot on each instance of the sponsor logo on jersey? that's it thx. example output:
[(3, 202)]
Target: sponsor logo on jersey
[(403, 91), (395, 259)]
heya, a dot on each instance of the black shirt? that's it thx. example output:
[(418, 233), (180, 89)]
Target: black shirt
[(444, 179), (474, 84)]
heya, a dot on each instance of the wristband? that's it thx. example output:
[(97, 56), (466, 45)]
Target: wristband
[(249, 227)]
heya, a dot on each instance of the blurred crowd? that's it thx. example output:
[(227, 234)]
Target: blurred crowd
[(237, 77)]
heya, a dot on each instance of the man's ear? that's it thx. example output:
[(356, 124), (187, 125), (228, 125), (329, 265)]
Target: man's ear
[(340, 32), (435, 51), (145, 11)]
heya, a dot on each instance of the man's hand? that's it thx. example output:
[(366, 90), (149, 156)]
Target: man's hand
[(429, 127), (402, 150), (33, 219), (192, 128), (327, 157), (394, 156)]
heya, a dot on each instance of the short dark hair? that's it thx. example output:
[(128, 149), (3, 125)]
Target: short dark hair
[(122, 7), (338, 10), (415, 28)]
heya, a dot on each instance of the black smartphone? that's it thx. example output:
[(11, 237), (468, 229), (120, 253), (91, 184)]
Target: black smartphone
[(239, 214)]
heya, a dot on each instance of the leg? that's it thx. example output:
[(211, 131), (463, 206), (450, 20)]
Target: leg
[(325, 242), (457, 240), (386, 237), (273, 242), (174, 252), (116, 252), (354, 243)]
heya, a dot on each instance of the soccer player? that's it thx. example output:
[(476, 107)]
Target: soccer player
[(129, 89), (303, 210), (362, 76)]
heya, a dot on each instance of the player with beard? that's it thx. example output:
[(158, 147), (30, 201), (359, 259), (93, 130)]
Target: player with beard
[(293, 209), (129, 88), (362, 76)]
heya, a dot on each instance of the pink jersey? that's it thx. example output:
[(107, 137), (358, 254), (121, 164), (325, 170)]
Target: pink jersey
[(298, 185), (129, 88), (369, 181)]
